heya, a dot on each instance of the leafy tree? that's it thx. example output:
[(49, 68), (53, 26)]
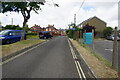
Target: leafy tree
[(19, 28), (70, 33), (24, 7), (108, 31)]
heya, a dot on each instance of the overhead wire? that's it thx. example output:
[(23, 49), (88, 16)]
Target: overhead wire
[(80, 6)]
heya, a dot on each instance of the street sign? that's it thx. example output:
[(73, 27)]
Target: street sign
[(73, 28), (88, 38)]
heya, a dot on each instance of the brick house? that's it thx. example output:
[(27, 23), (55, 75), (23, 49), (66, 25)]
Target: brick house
[(52, 29), (36, 28)]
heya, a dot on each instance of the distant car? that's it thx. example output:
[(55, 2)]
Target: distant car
[(45, 35), (10, 36), (119, 34), (111, 37)]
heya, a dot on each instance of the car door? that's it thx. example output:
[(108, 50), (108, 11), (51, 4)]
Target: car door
[(18, 35), (11, 36)]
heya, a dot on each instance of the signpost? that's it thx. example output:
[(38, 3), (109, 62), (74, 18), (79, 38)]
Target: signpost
[(88, 38)]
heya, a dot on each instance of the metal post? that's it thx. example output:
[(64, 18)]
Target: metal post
[(80, 36), (93, 39), (85, 37), (115, 50)]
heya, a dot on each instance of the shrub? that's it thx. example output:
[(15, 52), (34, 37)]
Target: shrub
[(108, 31), (32, 33)]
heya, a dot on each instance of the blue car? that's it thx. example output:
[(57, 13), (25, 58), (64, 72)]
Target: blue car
[(10, 36)]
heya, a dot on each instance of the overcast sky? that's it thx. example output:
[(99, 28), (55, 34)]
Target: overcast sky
[(106, 10)]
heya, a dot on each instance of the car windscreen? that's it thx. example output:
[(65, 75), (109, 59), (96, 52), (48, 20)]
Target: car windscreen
[(4, 32)]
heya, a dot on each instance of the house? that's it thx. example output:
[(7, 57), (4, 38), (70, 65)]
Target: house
[(36, 28), (97, 23), (62, 32), (52, 29)]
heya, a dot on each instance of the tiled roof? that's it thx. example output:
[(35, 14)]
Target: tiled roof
[(90, 19)]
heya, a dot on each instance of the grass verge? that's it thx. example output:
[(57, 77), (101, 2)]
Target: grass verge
[(32, 36), (101, 67), (96, 54), (12, 48)]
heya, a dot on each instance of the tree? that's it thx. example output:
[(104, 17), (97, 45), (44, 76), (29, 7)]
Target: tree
[(70, 33), (24, 7), (13, 27), (19, 28), (108, 31)]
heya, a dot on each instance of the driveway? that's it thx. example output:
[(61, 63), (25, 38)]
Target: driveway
[(104, 48)]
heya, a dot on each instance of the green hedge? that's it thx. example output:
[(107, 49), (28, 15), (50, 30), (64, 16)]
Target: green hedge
[(32, 33)]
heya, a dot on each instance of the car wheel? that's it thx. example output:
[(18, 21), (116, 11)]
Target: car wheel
[(8, 41)]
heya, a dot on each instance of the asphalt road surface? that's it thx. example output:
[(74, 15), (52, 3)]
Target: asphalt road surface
[(104, 48), (50, 60)]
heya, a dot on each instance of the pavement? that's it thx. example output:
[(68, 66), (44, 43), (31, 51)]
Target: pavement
[(50, 60)]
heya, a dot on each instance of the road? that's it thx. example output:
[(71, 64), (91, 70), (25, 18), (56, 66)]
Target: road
[(104, 48), (50, 60)]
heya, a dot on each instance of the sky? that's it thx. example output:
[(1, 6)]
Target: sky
[(61, 17)]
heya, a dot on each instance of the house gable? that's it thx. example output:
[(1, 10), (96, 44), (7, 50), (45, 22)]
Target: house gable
[(99, 24)]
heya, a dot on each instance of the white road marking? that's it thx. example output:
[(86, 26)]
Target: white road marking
[(108, 40), (81, 70), (109, 49), (78, 70), (78, 66), (21, 54)]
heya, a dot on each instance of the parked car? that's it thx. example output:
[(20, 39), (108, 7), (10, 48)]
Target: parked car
[(111, 37), (119, 34), (10, 36), (45, 35)]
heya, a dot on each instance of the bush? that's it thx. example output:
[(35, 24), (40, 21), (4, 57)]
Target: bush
[(70, 33), (108, 31), (11, 27), (32, 33)]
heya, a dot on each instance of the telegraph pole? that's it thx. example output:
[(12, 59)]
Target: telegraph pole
[(115, 50), (74, 20), (74, 32)]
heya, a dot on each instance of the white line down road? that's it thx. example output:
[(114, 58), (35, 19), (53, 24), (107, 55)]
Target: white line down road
[(78, 66)]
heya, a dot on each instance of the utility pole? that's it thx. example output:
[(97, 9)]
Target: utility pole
[(115, 50), (74, 32), (74, 20)]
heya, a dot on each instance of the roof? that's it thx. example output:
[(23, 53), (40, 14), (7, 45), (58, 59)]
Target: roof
[(46, 31), (90, 19)]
